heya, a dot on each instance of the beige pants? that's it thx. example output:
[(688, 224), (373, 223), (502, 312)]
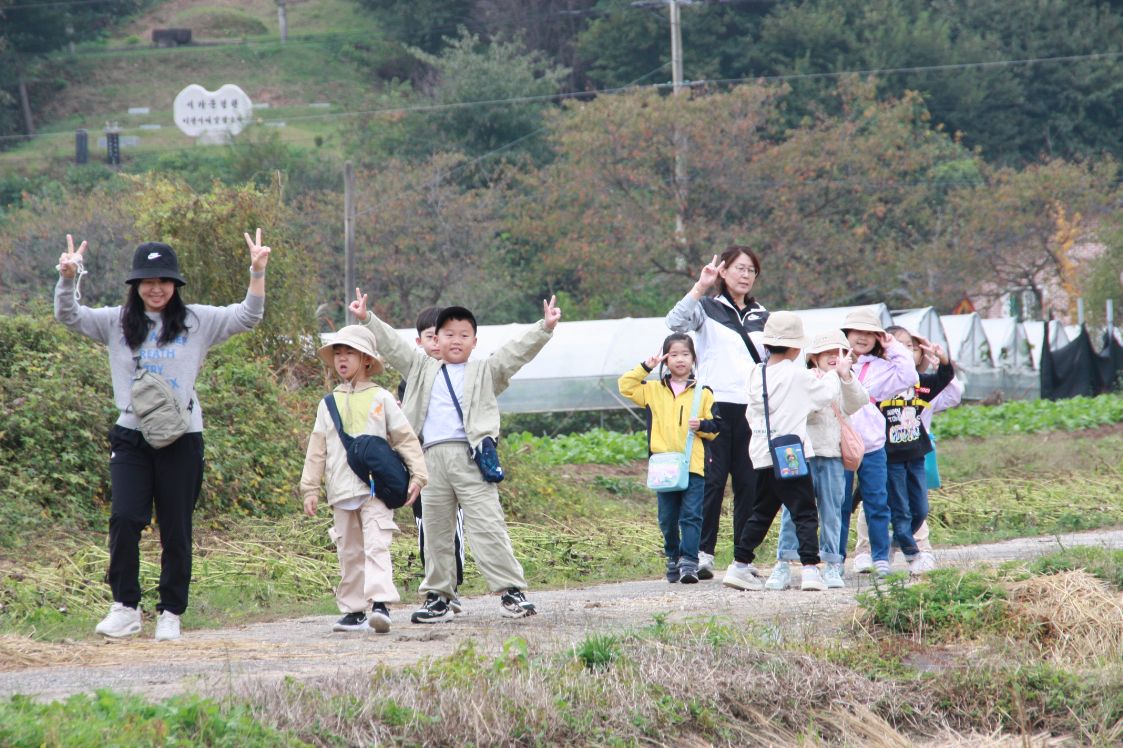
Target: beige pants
[(863, 544), (454, 480), (362, 539)]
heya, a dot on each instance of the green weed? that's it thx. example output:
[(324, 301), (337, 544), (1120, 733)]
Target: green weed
[(1105, 563), (947, 603), (1030, 416), (108, 718), (597, 651)]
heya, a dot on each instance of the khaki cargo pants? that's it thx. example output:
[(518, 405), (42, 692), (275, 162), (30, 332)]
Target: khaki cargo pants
[(454, 480)]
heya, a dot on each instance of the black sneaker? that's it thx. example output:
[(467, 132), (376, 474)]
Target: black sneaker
[(688, 573), (515, 604), (351, 622), (705, 573), (380, 618), (672, 571), (434, 610)]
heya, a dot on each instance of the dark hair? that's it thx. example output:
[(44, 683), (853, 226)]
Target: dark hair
[(877, 350), (457, 313), (731, 253), (427, 318), (777, 349), (135, 323), (678, 337)]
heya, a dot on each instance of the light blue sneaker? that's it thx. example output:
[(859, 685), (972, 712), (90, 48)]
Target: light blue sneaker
[(781, 577)]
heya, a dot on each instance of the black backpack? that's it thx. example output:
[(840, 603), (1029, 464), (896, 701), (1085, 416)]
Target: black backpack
[(374, 461)]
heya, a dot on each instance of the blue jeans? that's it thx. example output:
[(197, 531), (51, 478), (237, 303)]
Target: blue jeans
[(908, 502), (827, 475), (680, 519), (872, 479)]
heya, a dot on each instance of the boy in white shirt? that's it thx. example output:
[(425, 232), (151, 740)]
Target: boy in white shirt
[(794, 391)]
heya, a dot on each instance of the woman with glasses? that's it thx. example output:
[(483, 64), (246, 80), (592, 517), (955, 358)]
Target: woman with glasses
[(728, 326)]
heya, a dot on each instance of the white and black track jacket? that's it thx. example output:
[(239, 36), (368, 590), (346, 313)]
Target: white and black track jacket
[(724, 361)]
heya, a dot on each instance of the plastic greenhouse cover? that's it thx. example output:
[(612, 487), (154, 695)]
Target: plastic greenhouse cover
[(967, 340), (1008, 344), (1035, 335), (924, 321)]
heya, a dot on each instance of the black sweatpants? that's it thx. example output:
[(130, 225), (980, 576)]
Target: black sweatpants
[(798, 495), (727, 455), (458, 541), (141, 476)]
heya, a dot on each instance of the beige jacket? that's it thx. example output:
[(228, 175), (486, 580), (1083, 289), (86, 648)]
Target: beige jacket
[(484, 380), (822, 425), (326, 456)]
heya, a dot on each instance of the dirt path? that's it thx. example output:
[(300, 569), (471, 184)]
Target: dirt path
[(212, 661)]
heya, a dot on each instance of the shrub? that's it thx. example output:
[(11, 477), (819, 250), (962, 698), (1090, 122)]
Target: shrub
[(948, 602)]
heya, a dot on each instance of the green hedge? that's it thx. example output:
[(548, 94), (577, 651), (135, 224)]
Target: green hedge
[(56, 408), (1030, 416)]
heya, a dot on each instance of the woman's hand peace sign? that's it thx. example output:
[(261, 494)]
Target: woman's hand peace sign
[(69, 260), (259, 255), (710, 273)]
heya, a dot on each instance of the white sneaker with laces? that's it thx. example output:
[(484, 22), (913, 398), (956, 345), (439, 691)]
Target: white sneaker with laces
[(881, 568), (742, 578), (863, 563), (812, 580), (832, 575), (167, 627), (122, 621), (924, 562), (780, 578)]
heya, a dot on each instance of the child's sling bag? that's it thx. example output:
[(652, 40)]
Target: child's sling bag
[(374, 461), (670, 471), (163, 418), (788, 461), (486, 456)]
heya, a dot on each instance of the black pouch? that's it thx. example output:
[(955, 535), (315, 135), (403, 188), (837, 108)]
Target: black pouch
[(487, 459), (373, 459)]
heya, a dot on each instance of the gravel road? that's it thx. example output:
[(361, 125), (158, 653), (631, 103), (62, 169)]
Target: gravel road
[(213, 661)]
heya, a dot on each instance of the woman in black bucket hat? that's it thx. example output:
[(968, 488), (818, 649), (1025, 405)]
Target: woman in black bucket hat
[(156, 331)]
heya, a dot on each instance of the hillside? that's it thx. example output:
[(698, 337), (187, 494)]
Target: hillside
[(300, 85)]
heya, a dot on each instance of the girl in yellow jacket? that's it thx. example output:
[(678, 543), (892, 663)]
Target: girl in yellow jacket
[(668, 402)]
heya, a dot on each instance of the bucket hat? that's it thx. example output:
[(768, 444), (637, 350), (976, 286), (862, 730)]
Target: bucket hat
[(784, 329), (155, 260), (357, 337), (830, 340), (864, 319)]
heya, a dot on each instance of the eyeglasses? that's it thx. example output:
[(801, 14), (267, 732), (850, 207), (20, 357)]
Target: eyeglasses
[(748, 270)]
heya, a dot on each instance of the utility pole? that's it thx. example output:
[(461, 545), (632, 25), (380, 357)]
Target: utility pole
[(678, 87), (282, 21), (348, 238)]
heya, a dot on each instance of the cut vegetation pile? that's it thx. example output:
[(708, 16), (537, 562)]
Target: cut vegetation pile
[(1078, 618)]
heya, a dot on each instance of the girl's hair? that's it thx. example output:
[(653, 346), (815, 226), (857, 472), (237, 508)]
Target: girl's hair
[(135, 322), (731, 253), (678, 337)]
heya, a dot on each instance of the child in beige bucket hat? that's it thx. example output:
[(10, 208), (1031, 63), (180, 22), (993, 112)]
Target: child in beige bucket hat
[(364, 526), (824, 432), (793, 393)]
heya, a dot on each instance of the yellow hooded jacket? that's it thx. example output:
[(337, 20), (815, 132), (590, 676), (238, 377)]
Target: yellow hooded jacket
[(668, 415)]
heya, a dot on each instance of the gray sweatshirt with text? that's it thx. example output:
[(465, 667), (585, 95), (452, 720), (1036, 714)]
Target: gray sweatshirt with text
[(178, 362)]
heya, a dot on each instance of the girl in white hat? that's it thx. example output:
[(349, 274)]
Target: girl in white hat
[(885, 367), (824, 432)]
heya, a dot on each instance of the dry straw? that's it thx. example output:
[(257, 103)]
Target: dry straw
[(1079, 619)]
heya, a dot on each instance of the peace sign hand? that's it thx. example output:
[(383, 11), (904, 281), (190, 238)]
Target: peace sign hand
[(710, 273), (551, 313), (259, 255), (70, 260), (358, 307), (654, 360)]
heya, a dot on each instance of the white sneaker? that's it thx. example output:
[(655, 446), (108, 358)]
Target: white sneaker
[(742, 579), (122, 621), (924, 562), (167, 627), (881, 568), (832, 575), (780, 578), (812, 580), (863, 563)]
